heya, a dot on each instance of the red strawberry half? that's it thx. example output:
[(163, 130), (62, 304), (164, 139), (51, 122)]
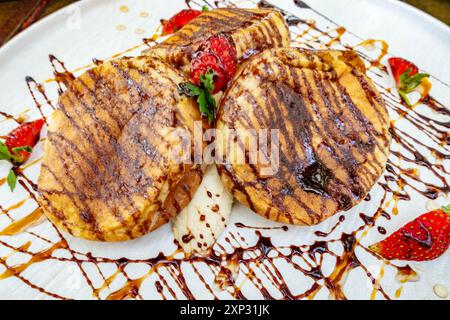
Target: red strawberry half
[(217, 54), (212, 67), (407, 77), (425, 238), (179, 20), (399, 66), (223, 46), (205, 62), (26, 135)]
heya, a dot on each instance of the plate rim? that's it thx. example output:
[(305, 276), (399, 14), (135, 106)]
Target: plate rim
[(402, 6)]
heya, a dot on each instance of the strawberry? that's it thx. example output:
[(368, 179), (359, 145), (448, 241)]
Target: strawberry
[(223, 46), (179, 20), (425, 238), (26, 135), (218, 54), (204, 62), (18, 146), (406, 75), (399, 66), (212, 67)]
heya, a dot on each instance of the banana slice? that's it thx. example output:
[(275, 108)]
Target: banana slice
[(200, 224)]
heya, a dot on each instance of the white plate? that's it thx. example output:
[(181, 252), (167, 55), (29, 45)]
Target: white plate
[(94, 29)]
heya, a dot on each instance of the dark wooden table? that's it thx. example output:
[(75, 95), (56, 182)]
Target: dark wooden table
[(17, 15)]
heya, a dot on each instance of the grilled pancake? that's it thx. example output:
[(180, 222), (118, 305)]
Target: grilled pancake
[(252, 30), (108, 173), (332, 129)]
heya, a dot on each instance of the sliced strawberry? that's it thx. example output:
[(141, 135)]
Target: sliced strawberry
[(179, 20), (407, 77), (204, 62), (212, 67), (23, 137), (425, 238), (399, 66), (223, 46)]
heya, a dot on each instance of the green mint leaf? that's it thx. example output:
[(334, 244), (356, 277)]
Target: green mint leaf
[(189, 89), (405, 97), (207, 80), (205, 8), (11, 179), (210, 99), (4, 152), (5, 156), (404, 76), (414, 81), (205, 105), (205, 99), (446, 209), (408, 83), (202, 103)]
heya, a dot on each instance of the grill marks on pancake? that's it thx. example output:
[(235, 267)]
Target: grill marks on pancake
[(338, 131), (80, 197), (221, 20), (100, 139), (338, 146), (252, 31), (315, 104)]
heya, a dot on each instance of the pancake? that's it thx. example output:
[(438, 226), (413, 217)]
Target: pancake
[(108, 172), (332, 128), (252, 30)]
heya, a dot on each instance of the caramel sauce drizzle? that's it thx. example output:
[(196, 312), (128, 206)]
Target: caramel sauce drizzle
[(23, 224), (258, 263), (370, 45)]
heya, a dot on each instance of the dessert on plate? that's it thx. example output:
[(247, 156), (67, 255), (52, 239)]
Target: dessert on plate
[(108, 174)]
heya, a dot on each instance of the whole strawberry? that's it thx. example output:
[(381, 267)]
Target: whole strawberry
[(399, 66), (18, 147), (406, 75), (26, 135), (179, 20), (425, 238)]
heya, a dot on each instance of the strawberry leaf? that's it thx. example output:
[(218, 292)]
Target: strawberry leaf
[(203, 105), (415, 81), (408, 83), (205, 8), (205, 99), (189, 89), (4, 152), (207, 80), (404, 76), (446, 209), (12, 180)]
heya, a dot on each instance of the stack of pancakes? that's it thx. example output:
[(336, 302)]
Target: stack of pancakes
[(107, 173)]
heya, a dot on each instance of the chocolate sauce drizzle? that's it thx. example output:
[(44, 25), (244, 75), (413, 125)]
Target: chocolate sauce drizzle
[(250, 256)]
